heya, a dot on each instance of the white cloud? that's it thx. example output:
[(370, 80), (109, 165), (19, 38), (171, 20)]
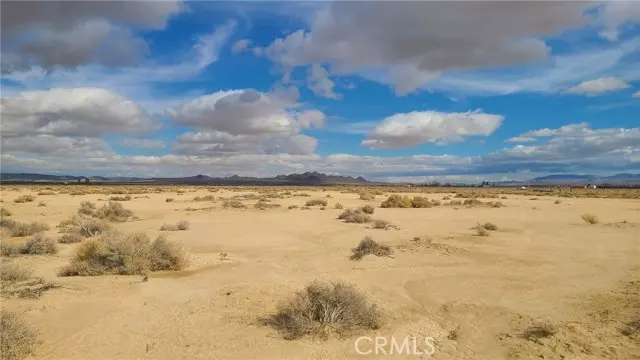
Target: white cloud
[(521, 139), (143, 143), (89, 112), (599, 86), (412, 129), (318, 81), (241, 45), (636, 94)]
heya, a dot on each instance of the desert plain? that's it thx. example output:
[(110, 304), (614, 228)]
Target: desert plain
[(545, 284)]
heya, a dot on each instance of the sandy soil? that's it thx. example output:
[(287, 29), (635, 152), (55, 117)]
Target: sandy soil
[(543, 265)]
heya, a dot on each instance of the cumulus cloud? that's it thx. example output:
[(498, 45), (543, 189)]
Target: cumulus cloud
[(521, 139), (411, 129), (598, 86), (66, 34), (318, 81), (89, 112), (50, 145)]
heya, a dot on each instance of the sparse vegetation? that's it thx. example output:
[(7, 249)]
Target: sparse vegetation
[(42, 204), (46, 192), (234, 204), (338, 206), (262, 205), (382, 224), (17, 339), (291, 207), (16, 281), (316, 202), (5, 212), (590, 218), (23, 229), (114, 253), (490, 226), (538, 331), (120, 198), (368, 209), (321, 309), (181, 225), (354, 216), (367, 196), (24, 199), (480, 230), (37, 244), (205, 198), (397, 201), (87, 208), (70, 238), (113, 212), (369, 246), (168, 200)]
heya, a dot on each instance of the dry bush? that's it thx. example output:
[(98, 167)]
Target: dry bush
[(262, 205), (17, 339), (480, 230), (235, 204), (382, 224), (205, 198), (369, 246), (23, 229), (321, 309), (354, 216), (87, 208), (490, 226), (557, 202), (16, 281), (46, 192), (338, 206), (396, 201), (181, 225), (367, 196), (84, 227), (70, 238), (316, 202), (24, 199), (13, 272), (538, 331), (302, 194), (495, 204), (120, 198), (291, 207), (472, 202), (5, 212), (590, 218), (368, 209), (39, 244), (631, 328), (114, 253), (446, 198), (114, 212), (168, 200), (420, 202), (455, 202), (42, 204)]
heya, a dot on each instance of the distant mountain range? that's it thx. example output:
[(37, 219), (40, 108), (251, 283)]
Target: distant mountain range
[(307, 178)]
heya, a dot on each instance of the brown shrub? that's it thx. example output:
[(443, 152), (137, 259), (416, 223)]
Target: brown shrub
[(397, 201), (164, 255), (262, 205), (480, 230), (538, 331), (17, 339), (168, 200), (367, 196), (490, 226), (291, 207), (420, 202), (181, 225), (114, 212), (24, 199), (321, 309), (368, 209), (382, 224), (590, 218), (46, 192), (5, 212), (338, 206), (369, 246), (23, 229), (120, 198), (70, 238), (354, 216), (557, 202), (16, 281), (235, 204), (205, 198), (87, 208), (316, 202), (39, 244)]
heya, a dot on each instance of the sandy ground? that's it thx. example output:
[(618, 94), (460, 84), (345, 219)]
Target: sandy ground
[(544, 265)]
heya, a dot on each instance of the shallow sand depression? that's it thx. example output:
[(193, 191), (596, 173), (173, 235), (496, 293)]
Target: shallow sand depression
[(478, 297)]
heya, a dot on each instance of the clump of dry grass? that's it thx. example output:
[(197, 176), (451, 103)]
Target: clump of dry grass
[(631, 328), (382, 224), (291, 207), (323, 308), (87, 208), (368, 209), (472, 202), (396, 201), (557, 202), (369, 246), (114, 212), (42, 204), (114, 253), (316, 202), (181, 225), (263, 205), (367, 196), (46, 192), (120, 198), (37, 244), (338, 206), (24, 199), (205, 198), (23, 229), (5, 212), (455, 202), (234, 204), (70, 238), (17, 339), (590, 218), (354, 216), (168, 200), (16, 281), (480, 230), (490, 226)]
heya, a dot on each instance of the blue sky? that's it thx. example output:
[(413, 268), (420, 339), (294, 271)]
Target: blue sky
[(419, 91)]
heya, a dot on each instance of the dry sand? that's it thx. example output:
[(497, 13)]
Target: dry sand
[(543, 265)]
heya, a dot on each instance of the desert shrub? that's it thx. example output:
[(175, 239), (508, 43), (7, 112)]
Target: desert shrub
[(472, 202), (381, 224), (42, 204), (168, 200), (164, 255), (538, 331), (369, 246), (368, 209), (113, 212), (46, 192), (490, 226), (455, 202), (5, 212), (39, 244), (16, 281), (480, 230), (316, 202), (87, 208), (354, 216), (323, 308), (262, 205), (181, 225), (235, 204), (367, 196), (204, 198), (70, 238), (557, 202), (302, 194), (631, 328), (23, 229), (291, 207), (420, 202), (495, 204), (17, 339), (396, 201), (446, 198), (338, 206), (590, 218), (11, 272), (24, 199), (120, 198)]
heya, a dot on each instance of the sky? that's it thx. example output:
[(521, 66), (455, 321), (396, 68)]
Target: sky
[(393, 91)]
